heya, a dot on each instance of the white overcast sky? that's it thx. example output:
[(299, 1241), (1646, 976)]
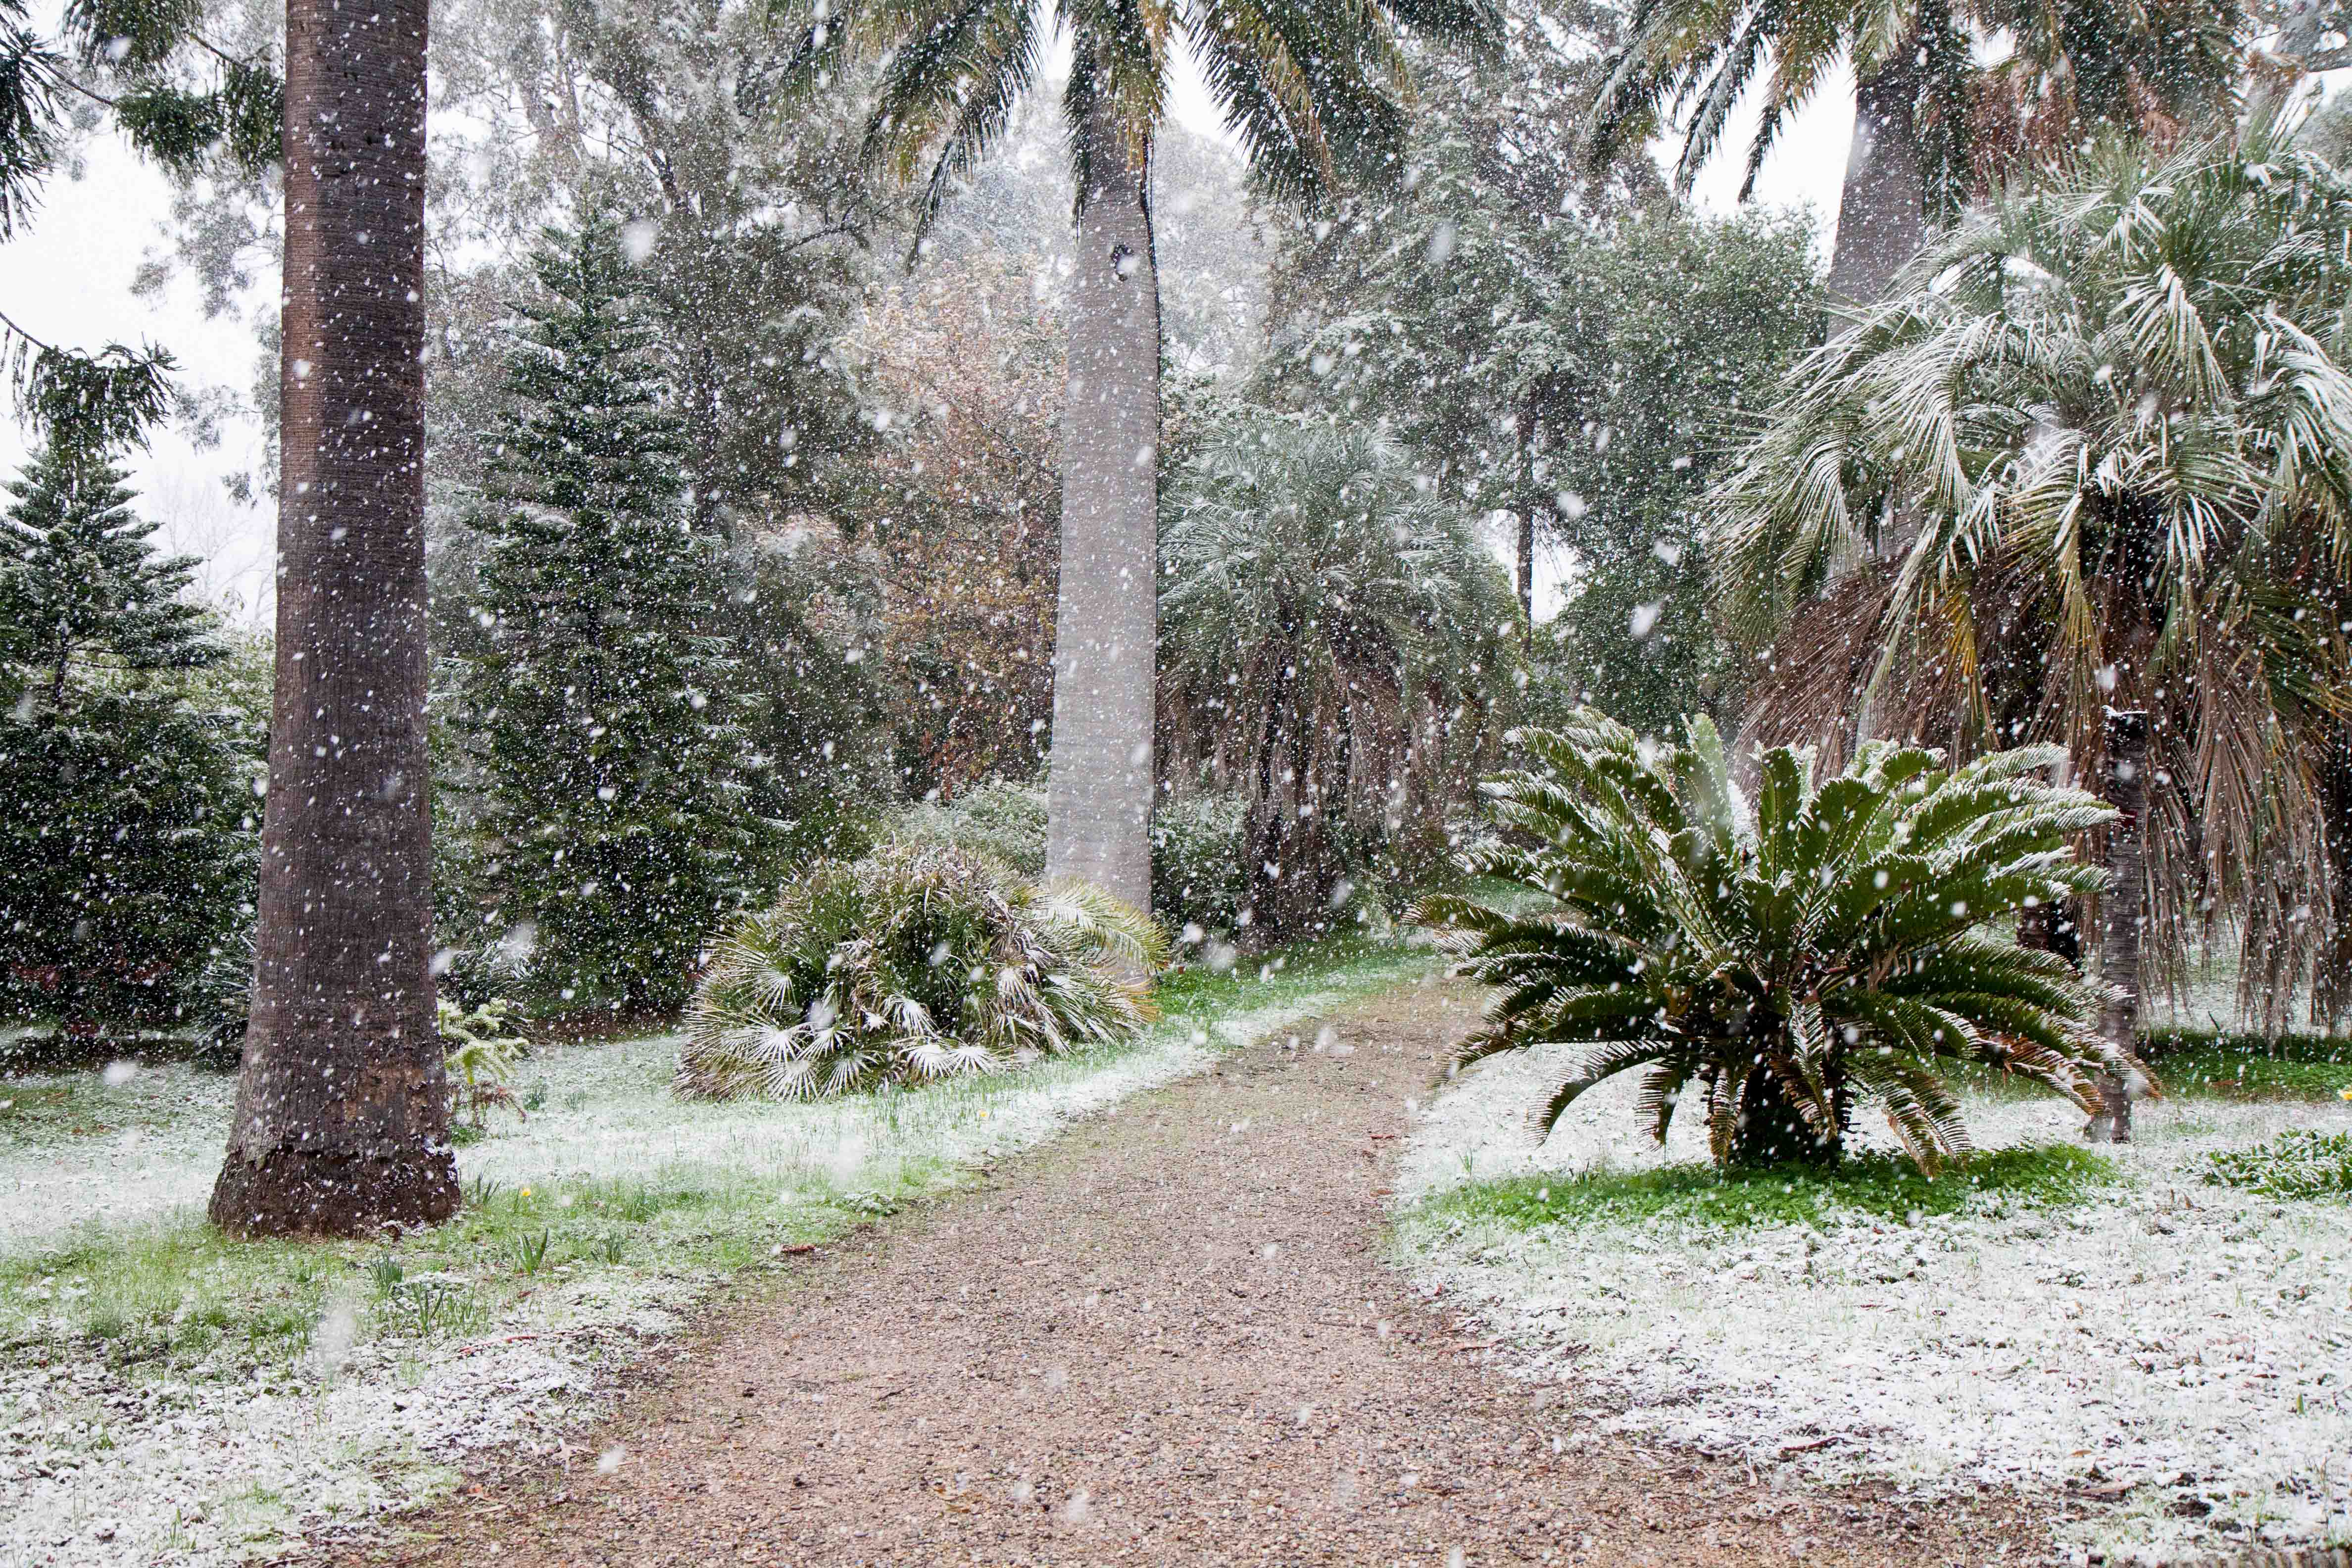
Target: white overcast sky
[(67, 278)]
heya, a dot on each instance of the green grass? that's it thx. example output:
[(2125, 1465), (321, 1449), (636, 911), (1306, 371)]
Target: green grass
[(183, 1298), (1347, 963), (2199, 1063), (1874, 1186), (2297, 1163)]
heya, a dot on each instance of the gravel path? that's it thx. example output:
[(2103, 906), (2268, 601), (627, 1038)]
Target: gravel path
[(1167, 1338)]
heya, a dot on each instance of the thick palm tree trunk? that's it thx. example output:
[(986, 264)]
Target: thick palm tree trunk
[(342, 1108), (1882, 217), (1098, 796), (2125, 911)]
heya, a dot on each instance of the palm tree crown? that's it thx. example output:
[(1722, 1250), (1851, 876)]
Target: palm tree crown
[(1793, 959), (2110, 420), (1929, 117), (1314, 89)]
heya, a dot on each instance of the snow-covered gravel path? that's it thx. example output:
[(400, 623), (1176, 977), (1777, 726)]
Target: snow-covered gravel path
[(108, 1468), (2186, 1349)]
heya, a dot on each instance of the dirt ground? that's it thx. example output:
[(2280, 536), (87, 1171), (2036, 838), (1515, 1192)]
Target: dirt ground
[(1168, 1337)]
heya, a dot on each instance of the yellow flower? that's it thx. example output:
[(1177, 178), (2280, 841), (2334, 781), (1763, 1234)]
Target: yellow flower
[(526, 1191)]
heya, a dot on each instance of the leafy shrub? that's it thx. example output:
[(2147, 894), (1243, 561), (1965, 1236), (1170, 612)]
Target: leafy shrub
[(1198, 876), (920, 962), (1790, 960), (482, 1052), (2297, 1163), (125, 856), (999, 818), (220, 997)]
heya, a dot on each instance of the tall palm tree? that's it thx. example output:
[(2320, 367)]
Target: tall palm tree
[(1339, 642), (1927, 118), (2112, 417), (342, 1110), (1315, 90)]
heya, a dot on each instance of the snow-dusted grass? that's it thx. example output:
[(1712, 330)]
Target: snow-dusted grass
[(2180, 1347), (168, 1397)]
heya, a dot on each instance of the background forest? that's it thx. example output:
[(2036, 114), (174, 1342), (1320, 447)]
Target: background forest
[(789, 457)]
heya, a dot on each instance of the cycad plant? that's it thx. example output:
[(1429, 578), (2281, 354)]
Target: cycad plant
[(2094, 456), (920, 962), (1315, 92), (1790, 961), (1339, 642)]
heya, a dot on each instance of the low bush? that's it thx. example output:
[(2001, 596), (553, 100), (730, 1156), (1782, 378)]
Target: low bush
[(482, 1052), (920, 962), (1198, 872), (1198, 877), (1781, 965), (1003, 820), (2297, 1163)]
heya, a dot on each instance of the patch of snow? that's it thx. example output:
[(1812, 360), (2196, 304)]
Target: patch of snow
[(102, 1467), (2185, 1348)]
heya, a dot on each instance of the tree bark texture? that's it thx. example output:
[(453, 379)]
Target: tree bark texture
[(342, 1107), (1883, 214), (1100, 790), (2126, 914)]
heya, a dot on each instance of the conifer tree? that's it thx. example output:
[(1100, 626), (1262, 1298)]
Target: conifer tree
[(600, 683), (126, 851), (80, 586)]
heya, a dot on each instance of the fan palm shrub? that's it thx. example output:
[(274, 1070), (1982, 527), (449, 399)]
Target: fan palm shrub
[(920, 962), (1338, 643), (1793, 961), (2095, 455)]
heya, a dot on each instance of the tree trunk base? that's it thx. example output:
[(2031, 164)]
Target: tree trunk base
[(1773, 1131), (320, 1195)]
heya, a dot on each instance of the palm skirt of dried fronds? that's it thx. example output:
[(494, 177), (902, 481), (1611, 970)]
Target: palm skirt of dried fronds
[(917, 964), (2095, 453), (1789, 961)]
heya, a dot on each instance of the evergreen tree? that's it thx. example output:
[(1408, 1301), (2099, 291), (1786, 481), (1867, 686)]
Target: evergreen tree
[(127, 850), (80, 586), (599, 686)]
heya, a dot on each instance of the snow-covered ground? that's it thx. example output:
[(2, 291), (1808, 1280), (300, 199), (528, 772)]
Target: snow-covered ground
[(103, 1465), (2185, 1349)]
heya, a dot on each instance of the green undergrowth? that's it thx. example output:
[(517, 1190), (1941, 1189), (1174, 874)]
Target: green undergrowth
[(179, 1299), (2297, 1163), (2201, 1063), (1866, 1187), (2205, 1064)]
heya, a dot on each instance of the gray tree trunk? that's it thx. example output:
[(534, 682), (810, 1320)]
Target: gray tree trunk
[(1105, 636), (2125, 912), (342, 1108), (1882, 217)]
